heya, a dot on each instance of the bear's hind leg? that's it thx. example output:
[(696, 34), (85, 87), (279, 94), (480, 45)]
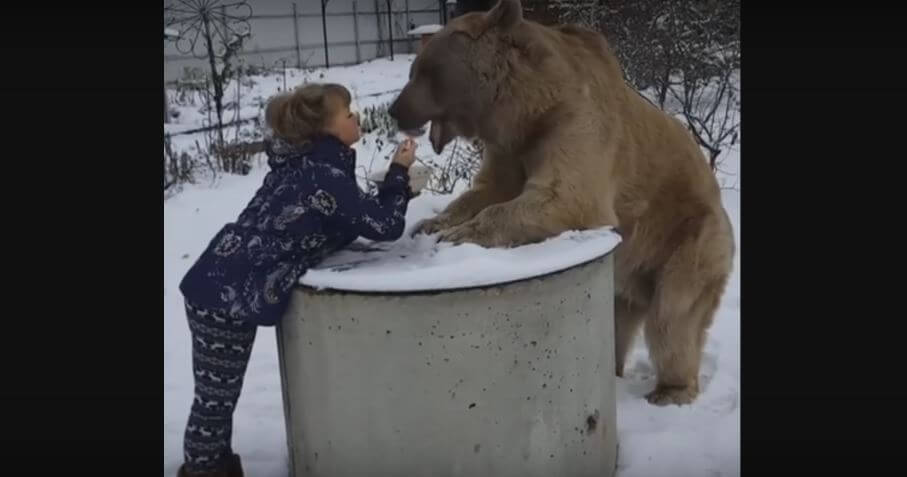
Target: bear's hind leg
[(627, 319), (675, 336), (687, 294)]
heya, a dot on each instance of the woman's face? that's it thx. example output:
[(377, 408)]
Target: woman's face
[(344, 125)]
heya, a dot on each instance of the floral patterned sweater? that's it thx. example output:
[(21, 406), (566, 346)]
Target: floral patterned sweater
[(308, 207)]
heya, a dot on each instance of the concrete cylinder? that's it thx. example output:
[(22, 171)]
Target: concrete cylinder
[(515, 379)]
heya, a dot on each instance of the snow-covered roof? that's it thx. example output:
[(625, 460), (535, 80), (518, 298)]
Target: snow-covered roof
[(425, 29), (171, 33)]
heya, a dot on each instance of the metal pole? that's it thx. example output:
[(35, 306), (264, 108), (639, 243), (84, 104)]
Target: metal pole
[(166, 108), (409, 43), (390, 28), (356, 28), (324, 31), (379, 47), (238, 94), (296, 36)]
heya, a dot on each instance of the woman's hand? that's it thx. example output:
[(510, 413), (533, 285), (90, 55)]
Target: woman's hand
[(406, 153)]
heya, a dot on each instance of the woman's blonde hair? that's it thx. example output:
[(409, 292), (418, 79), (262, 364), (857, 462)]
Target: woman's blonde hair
[(297, 115)]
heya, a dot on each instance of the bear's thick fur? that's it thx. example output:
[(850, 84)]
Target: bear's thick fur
[(568, 145)]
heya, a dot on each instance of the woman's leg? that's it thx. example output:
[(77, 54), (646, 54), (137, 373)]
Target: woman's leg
[(220, 354)]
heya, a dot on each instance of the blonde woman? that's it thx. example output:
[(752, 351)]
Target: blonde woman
[(309, 206)]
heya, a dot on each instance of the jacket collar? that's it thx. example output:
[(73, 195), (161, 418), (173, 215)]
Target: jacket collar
[(322, 148)]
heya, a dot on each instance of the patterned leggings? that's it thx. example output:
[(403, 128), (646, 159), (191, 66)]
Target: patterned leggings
[(220, 354)]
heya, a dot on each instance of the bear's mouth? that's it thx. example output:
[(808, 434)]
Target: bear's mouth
[(417, 132), (439, 135)]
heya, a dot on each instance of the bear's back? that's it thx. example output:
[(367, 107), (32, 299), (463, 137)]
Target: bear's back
[(571, 53)]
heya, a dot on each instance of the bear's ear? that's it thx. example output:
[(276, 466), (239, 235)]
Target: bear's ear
[(505, 15)]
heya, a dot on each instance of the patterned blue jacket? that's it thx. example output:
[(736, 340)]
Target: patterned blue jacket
[(308, 207)]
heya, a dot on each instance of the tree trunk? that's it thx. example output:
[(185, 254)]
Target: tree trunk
[(663, 87)]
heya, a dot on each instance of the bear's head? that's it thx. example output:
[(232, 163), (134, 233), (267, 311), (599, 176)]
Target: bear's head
[(457, 76)]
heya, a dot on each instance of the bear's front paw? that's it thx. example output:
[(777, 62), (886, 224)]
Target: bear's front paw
[(475, 232), (431, 226)]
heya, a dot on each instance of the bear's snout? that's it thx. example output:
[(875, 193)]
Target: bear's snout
[(403, 115)]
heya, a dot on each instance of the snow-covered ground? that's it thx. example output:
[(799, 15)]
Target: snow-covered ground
[(702, 439)]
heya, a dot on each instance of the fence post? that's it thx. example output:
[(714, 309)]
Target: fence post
[(296, 36), (238, 96), (379, 47), (390, 27), (356, 28), (409, 42), (324, 31)]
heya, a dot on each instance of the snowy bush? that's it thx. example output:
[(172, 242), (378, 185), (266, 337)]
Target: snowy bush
[(460, 164), (178, 168), (376, 119), (684, 56)]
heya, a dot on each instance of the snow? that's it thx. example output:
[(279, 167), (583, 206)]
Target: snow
[(419, 264), (700, 439), (425, 30)]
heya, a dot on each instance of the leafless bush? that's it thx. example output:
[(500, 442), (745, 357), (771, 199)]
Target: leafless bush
[(586, 13), (687, 54), (710, 106), (213, 30), (236, 156), (216, 151), (657, 40), (377, 119), (461, 165), (177, 167)]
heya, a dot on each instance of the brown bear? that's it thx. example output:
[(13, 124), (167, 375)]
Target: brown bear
[(570, 146)]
